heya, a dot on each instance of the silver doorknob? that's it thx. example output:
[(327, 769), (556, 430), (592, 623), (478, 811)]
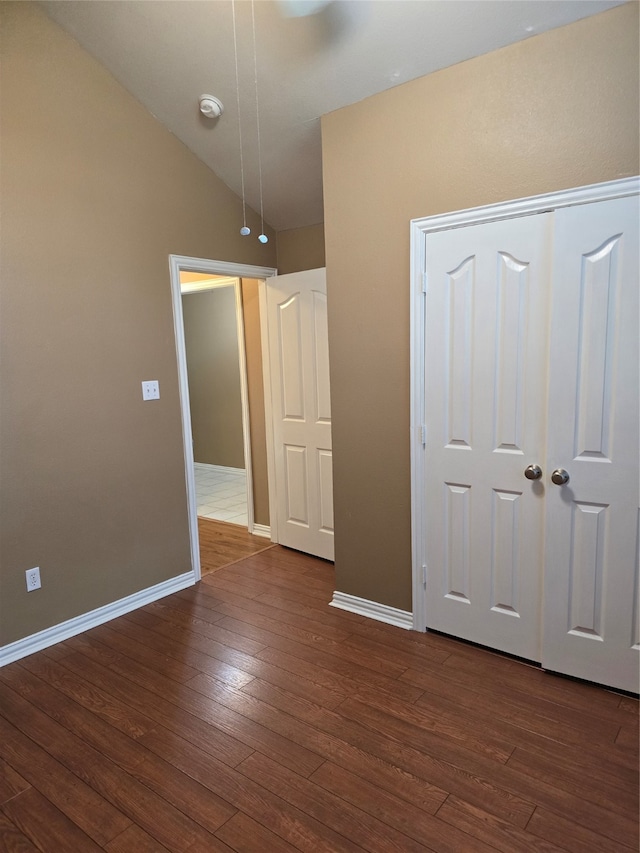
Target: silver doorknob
[(533, 472), (560, 477)]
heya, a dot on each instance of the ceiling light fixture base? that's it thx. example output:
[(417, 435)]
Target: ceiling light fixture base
[(210, 106)]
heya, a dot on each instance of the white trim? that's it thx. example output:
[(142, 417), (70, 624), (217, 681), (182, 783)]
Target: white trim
[(86, 621), (268, 411), (419, 228), (183, 387), (417, 325), (237, 271), (372, 609), (206, 265), (214, 284), (528, 206), (261, 530), (244, 396)]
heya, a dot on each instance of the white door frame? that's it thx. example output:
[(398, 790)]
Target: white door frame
[(178, 264), (213, 284), (419, 228)]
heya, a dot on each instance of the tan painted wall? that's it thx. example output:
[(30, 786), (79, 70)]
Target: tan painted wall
[(255, 389), (555, 111), (93, 201), (300, 249), (213, 367)]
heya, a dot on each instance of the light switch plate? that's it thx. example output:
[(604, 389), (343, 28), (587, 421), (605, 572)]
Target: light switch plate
[(151, 389)]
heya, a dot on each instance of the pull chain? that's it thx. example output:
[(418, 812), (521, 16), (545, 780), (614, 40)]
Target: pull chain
[(245, 230), (263, 237)]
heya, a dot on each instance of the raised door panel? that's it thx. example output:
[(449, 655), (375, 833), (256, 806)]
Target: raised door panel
[(507, 525), (295, 485), (290, 367), (459, 294), (591, 566), (511, 341), (589, 531), (598, 289), (457, 542)]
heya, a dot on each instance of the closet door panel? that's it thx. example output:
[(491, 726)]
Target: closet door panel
[(485, 393), (591, 563)]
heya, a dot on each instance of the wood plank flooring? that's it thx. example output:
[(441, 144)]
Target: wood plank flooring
[(246, 715), (222, 544)]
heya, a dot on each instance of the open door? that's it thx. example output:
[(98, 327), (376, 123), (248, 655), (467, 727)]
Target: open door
[(296, 359)]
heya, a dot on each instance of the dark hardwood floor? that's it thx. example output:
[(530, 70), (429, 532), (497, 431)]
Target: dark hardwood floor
[(246, 715), (222, 544)]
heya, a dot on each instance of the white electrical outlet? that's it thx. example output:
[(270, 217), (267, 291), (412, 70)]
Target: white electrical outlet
[(33, 579), (151, 389)]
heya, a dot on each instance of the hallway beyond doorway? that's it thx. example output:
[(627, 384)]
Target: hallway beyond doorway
[(221, 493)]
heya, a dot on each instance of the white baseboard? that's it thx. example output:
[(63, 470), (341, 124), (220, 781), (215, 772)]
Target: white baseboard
[(79, 624), (261, 530), (373, 610)]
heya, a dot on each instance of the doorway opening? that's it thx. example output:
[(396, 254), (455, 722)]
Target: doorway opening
[(199, 277), (218, 395)]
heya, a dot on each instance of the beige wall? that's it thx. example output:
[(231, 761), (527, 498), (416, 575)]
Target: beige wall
[(255, 390), (300, 249), (213, 367), (555, 111), (94, 194)]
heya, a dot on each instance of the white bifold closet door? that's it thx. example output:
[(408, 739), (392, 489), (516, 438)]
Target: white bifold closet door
[(531, 365), (485, 373), (591, 627)]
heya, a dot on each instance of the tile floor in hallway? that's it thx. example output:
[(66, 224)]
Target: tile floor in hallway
[(221, 493)]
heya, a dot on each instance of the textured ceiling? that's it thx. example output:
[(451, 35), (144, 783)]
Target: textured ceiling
[(169, 52)]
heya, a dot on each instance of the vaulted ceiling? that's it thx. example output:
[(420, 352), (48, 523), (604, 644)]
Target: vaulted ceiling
[(169, 52)]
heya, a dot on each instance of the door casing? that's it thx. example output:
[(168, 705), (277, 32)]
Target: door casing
[(419, 228), (177, 264)]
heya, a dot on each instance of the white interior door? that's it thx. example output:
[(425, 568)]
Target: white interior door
[(298, 352), (591, 620), (485, 398)]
